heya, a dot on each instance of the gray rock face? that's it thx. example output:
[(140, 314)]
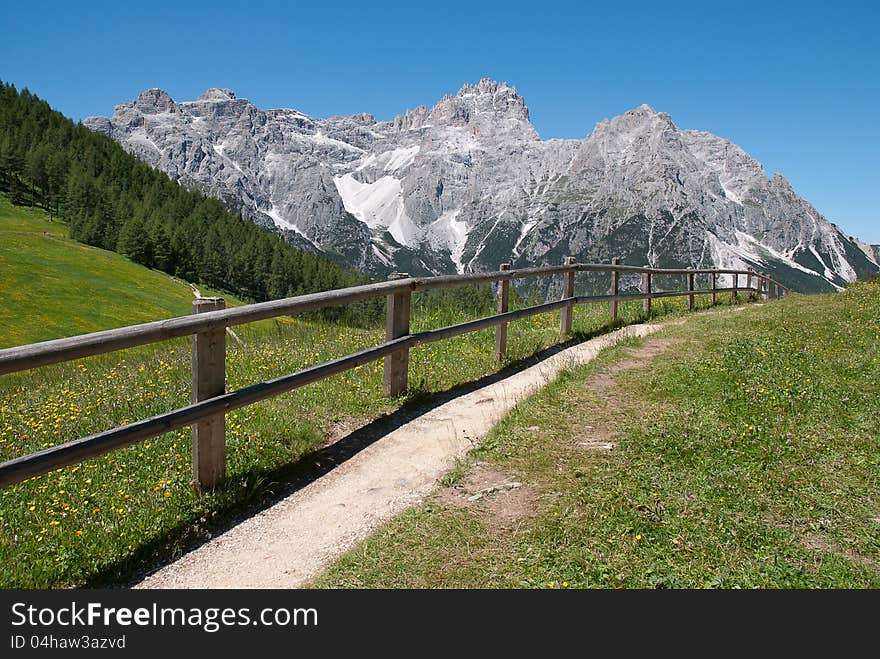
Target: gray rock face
[(468, 184), (871, 251)]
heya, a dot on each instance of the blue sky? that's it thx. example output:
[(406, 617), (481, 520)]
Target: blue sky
[(797, 85)]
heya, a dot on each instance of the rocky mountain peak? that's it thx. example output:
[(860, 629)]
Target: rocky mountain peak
[(220, 103), (643, 110), (411, 119), (363, 119), (155, 100), (645, 115), (486, 108), (217, 94), (468, 184), (643, 134), (485, 86), (641, 120)]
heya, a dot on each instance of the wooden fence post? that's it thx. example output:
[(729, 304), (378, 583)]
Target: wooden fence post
[(691, 289), (503, 303), (615, 288), (567, 292), (750, 294), (397, 307), (735, 294), (646, 285), (714, 288), (208, 381)]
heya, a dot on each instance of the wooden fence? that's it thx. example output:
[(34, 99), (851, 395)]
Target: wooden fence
[(209, 320)]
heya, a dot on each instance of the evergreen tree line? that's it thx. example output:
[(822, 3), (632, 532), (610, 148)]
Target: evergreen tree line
[(112, 200)]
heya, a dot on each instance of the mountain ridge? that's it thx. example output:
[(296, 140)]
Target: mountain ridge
[(468, 183)]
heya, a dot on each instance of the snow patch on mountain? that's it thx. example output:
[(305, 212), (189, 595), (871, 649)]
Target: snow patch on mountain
[(379, 205), (446, 230), (281, 223), (831, 237), (523, 232), (383, 253), (827, 273)]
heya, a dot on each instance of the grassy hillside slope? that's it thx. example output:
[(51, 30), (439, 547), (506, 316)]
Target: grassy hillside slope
[(746, 455), (52, 286)]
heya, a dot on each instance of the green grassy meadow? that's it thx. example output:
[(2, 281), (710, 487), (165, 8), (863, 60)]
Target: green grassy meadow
[(53, 286), (747, 455)]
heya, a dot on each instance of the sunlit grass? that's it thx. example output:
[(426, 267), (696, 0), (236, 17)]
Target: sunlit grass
[(746, 456), (52, 286)]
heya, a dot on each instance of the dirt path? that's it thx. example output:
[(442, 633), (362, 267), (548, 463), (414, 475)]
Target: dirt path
[(290, 542)]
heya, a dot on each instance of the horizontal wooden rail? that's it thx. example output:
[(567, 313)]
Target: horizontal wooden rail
[(49, 352)]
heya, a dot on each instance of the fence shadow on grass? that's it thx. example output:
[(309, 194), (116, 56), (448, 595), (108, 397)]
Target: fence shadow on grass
[(270, 486)]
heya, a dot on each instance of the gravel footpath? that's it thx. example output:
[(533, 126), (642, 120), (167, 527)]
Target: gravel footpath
[(290, 542)]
